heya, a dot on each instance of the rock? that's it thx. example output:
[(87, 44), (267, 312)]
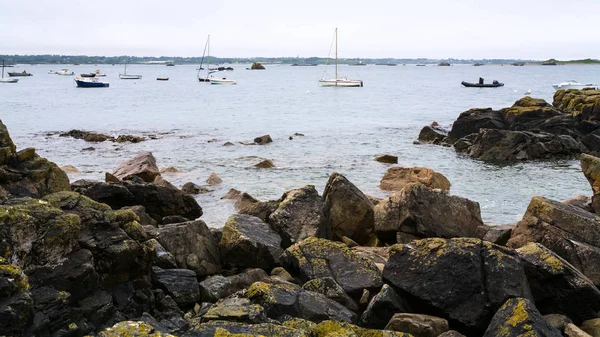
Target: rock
[(381, 308), (558, 321), (142, 165), (556, 285), (350, 211), (317, 258), (171, 219), (181, 284), (443, 64), (70, 169), (582, 201), (299, 215), (397, 177), (550, 62), (228, 144), (519, 317), (282, 274), (569, 231), (328, 287), (374, 254), (418, 325), (572, 330), (162, 257), (232, 194), (144, 218), (506, 146), (265, 163), (236, 309), (387, 158), (213, 179), (88, 136), (234, 329), (169, 169), (191, 188), (162, 182), (109, 178), (90, 148), (333, 329), (262, 210), (451, 333), (349, 242), (432, 135), (420, 211), (193, 246), (133, 329), (592, 327), (263, 140), (289, 299), (248, 242), (499, 234), (590, 166), (257, 65), (463, 280), (129, 138), (16, 304), (473, 120), (216, 287)]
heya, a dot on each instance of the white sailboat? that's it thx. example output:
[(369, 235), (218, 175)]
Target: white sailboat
[(209, 78), (126, 76), (8, 79), (339, 81)]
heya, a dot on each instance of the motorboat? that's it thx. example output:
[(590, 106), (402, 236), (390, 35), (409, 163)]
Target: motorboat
[(126, 76), (88, 75), (90, 82), (339, 81), (480, 84), (223, 80), (65, 72), (7, 80), (572, 84), (16, 74), (98, 73)]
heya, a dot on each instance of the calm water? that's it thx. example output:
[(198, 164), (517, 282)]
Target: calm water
[(344, 128)]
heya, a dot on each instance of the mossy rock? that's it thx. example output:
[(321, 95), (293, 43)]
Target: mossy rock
[(132, 329), (341, 329), (16, 305), (90, 211), (225, 328), (236, 309), (519, 317)]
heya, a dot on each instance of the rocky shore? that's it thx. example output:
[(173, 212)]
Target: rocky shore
[(530, 129), (129, 256)]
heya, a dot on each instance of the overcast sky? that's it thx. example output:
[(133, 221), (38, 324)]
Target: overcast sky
[(464, 29)]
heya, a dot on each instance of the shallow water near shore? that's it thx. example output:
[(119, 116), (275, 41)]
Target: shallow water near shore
[(344, 128)]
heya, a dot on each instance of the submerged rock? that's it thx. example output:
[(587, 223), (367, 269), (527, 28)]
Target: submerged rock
[(387, 158)]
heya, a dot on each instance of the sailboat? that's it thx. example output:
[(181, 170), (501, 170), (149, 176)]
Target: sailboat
[(211, 79), (339, 81), (7, 80), (126, 76)]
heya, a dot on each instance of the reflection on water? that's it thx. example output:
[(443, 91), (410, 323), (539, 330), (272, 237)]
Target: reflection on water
[(344, 128)]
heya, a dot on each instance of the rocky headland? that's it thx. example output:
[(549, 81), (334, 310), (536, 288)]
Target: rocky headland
[(130, 255)]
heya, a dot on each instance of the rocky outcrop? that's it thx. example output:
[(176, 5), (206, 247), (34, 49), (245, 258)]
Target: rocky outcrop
[(558, 287), (193, 246), (397, 177), (265, 163), (262, 140), (568, 231), (387, 159), (95, 137), (350, 211), (431, 134), (463, 280), (142, 165), (519, 317), (422, 212), (590, 166), (248, 242), (301, 214), (318, 258), (257, 66)]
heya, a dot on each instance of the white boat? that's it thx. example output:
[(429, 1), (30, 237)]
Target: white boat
[(572, 84), (126, 76), (338, 81), (97, 73), (209, 78), (8, 79), (65, 72)]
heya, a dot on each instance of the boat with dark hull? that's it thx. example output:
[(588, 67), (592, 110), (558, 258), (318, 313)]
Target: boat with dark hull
[(480, 84), (19, 74), (90, 82)]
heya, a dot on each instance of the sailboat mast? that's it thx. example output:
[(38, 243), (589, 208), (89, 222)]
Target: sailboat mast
[(336, 55), (2, 68), (208, 57)]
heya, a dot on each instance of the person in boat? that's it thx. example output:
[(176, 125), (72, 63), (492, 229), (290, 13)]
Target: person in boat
[(494, 82), (481, 80)]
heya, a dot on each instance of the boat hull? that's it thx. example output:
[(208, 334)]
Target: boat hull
[(573, 86), (162, 78), (129, 77), (13, 74), (91, 83), (343, 83), (9, 80), (477, 85), (222, 81)]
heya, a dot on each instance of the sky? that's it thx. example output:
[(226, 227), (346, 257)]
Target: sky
[(463, 29)]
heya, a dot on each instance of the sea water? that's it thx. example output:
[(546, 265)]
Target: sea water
[(343, 128)]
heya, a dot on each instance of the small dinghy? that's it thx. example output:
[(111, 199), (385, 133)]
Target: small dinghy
[(494, 84), (162, 78)]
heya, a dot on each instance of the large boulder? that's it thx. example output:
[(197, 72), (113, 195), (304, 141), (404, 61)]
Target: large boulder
[(16, 305), (142, 165), (350, 211), (462, 280), (248, 242), (339, 329), (301, 214), (432, 134), (216, 287), (318, 258), (382, 307), (290, 299), (473, 120), (558, 287), (569, 231), (590, 166), (422, 212), (328, 287), (519, 317), (236, 309), (193, 246), (181, 284), (418, 325), (397, 177)]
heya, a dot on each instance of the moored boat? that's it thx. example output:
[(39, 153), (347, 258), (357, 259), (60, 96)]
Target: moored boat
[(65, 72), (162, 78), (223, 80), (572, 84), (7, 80), (90, 82), (339, 81), (126, 76), (88, 75), (494, 84), (16, 74)]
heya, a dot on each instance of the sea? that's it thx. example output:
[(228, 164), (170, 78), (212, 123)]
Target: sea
[(187, 124)]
